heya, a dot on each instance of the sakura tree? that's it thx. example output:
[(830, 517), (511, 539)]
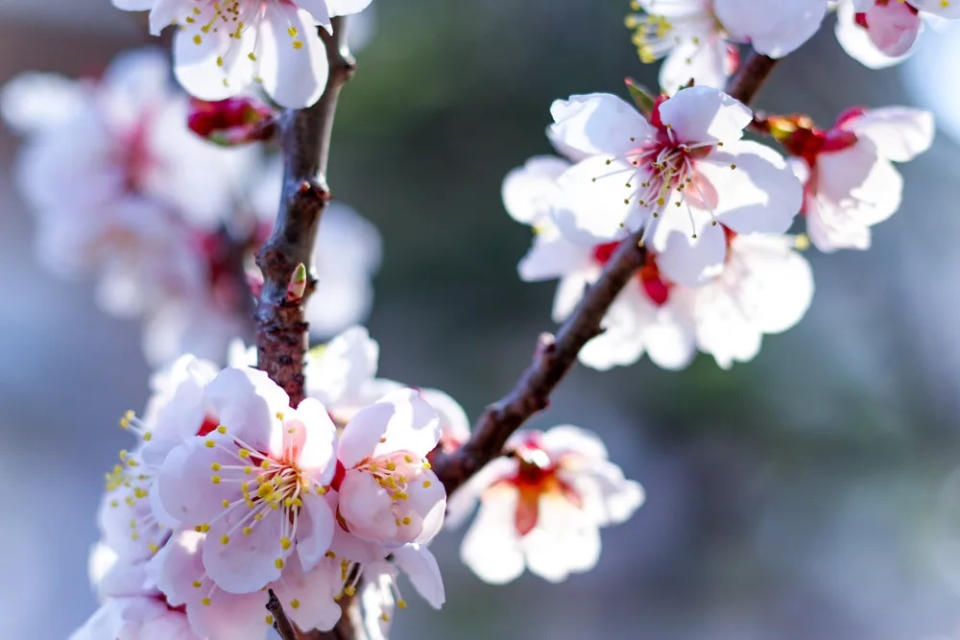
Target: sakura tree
[(274, 484)]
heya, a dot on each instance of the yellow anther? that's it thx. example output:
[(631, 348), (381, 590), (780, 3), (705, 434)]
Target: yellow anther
[(408, 459), (297, 44), (426, 465), (215, 466), (247, 531), (406, 520), (225, 503), (391, 466), (210, 444), (206, 602), (285, 543), (426, 484), (215, 479), (402, 603), (224, 539), (197, 39), (278, 563), (219, 61), (265, 464), (147, 436), (268, 619), (350, 590), (244, 453), (222, 429), (197, 584), (295, 603), (329, 554), (292, 31), (153, 547)]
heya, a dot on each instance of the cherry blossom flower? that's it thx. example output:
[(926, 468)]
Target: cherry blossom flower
[(380, 594), (541, 507), (683, 175), (881, 33), (222, 48), (388, 494), (255, 483), (306, 595), (764, 287), (697, 37), (850, 181), (136, 618)]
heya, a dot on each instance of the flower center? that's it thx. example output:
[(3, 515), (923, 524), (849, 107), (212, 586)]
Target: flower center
[(536, 475), (395, 473)]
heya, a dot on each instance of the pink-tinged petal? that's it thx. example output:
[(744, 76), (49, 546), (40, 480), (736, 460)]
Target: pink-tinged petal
[(597, 203), (704, 62), (777, 30), (529, 191), (460, 505), (491, 547), (346, 7), (315, 530), (454, 423), (307, 596), (569, 291), (777, 287), (246, 401), (196, 57), (367, 507), (563, 542), (338, 371), (893, 27), (670, 341), (421, 568), (248, 561), (704, 114), (948, 9), (376, 598), (184, 485), (830, 227), (866, 187), (597, 124), (32, 102), (621, 342), (568, 438), (362, 434), (294, 75), (553, 256), (683, 258), (427, 502), (607, 496), (347, 545), (317, 451), (165, 12), (319, 10), (414, 425), (855, 40), (722, 328), (755, 190), (899, 133)]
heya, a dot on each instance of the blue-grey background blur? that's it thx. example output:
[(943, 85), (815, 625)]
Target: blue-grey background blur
[(812, 493)]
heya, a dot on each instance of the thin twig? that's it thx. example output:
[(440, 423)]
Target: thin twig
[(306, 134), (553, 358), (280, 620)]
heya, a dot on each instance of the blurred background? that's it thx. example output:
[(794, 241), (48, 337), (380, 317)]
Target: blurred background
[(812, 493)]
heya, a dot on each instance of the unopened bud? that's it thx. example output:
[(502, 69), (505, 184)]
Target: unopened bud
[(232, 121), (642, 96), (298, 283)]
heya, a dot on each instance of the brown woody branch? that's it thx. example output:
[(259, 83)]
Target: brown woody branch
[(281, 329), (553, 358)]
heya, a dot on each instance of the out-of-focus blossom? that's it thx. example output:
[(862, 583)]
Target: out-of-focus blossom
[(850, 181), (255, 483), (136, 618), (380, 594), (881, 33), (698, 38), (542, 505), (223, 48), (168, 223), (388, 494), (764, 286), (682, 176)]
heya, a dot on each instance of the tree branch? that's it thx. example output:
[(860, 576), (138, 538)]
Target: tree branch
[(281, 329), (553, 358)]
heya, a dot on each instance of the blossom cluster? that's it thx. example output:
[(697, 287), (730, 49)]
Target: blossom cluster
[(713, 209), (230, 494), (165, 221), (699, 38)]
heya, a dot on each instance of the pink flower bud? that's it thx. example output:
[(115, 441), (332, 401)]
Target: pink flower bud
[(231, 121), (298, 283)]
